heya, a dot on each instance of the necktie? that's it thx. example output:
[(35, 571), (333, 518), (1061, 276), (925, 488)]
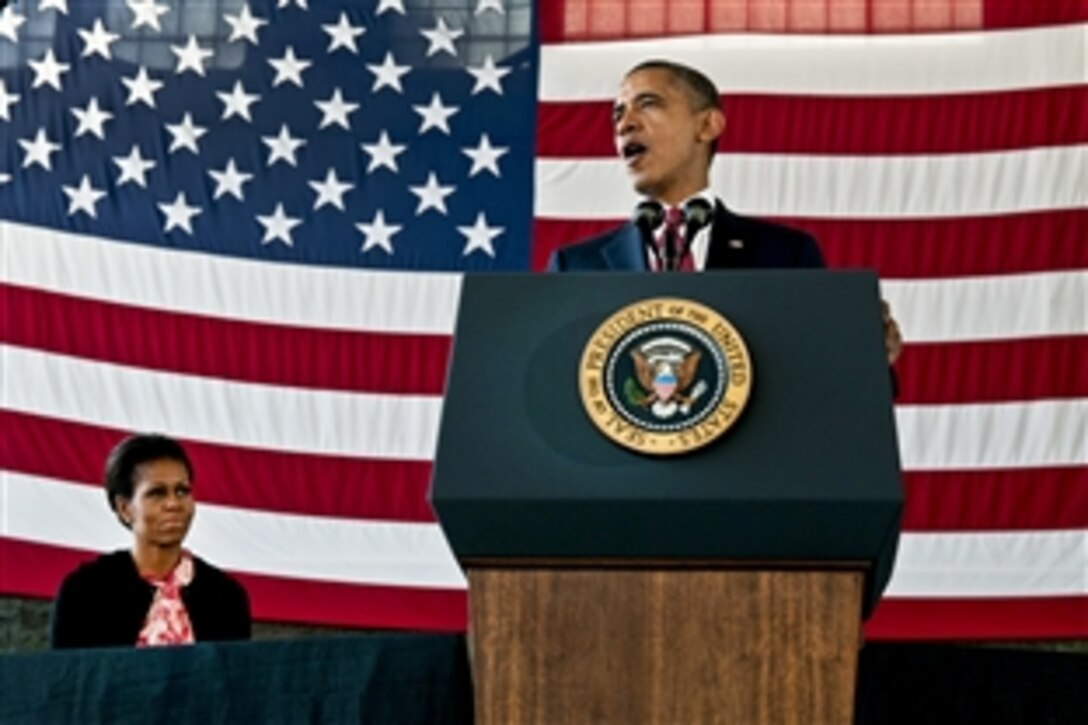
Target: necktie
[(670, 241), (673, 236)]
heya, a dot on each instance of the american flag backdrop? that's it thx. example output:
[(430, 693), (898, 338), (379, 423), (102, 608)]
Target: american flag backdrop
[(243, 223)]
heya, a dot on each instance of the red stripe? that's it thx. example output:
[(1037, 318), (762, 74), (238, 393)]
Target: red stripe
[(550, 18), (347, 605), (246, 351), (961, 246), (996, 14), (907, 248), (996, 500), (850, 125), (1040, 499), (993, 371), (36, 570), (993, 619), (1032, 13), (231, 476)]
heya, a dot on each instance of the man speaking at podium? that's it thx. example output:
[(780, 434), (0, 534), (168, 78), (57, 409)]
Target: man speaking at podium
[(667, 121)]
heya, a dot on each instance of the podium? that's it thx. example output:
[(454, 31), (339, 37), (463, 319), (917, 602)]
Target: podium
[(724, 585)]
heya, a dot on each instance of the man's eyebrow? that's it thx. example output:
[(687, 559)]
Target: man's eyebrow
[(618, 106)]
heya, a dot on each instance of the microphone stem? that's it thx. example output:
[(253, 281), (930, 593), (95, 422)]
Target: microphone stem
[(670, 249)]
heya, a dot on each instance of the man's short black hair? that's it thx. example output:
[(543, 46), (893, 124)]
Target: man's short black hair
[(135, 451), (701, 90)]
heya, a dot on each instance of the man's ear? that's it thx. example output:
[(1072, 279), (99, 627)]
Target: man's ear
[(713, 125)]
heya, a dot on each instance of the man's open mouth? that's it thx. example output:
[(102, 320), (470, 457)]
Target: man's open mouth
[(632, 150)]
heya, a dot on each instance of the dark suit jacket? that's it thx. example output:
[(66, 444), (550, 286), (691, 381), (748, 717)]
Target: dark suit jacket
[(761, 245), (104, 603)]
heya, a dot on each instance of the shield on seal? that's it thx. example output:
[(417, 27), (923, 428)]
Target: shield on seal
[(664, 382)]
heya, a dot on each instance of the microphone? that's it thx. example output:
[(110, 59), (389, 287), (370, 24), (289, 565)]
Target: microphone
[(648, 217), (698, 213)]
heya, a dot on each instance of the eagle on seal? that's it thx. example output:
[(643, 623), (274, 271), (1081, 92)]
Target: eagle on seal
[(666, 379)]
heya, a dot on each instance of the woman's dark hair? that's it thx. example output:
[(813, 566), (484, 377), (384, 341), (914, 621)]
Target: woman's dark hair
[(135, 451)]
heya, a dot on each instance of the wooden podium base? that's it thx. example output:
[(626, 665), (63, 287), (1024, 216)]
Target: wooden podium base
[(671, 645)]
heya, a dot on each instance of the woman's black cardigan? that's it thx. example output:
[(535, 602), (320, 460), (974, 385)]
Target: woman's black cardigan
[(104, 603)]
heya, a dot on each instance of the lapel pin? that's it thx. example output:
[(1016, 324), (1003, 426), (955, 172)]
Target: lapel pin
[(736, 244)]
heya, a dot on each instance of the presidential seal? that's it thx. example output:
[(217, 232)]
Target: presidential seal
[(665, 376)]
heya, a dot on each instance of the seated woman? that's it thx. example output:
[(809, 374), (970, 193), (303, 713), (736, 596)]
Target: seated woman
[(155, 593)]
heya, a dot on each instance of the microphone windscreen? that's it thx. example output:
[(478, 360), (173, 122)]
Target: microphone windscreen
[(698, 213), (649, 215)]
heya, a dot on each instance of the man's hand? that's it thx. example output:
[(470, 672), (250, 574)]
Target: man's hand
[(893, 340)]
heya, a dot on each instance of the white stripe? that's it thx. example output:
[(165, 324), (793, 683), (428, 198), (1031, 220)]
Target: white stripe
[(988, 564), (993, 435), (227, 287), (46, 511), (962, 309), (927, 310), (865, 65), (243, 414), (991, 564), (851, 187), (1033, 434)]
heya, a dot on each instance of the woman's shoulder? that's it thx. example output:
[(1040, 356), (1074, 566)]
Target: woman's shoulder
[(218, 604), (115, 564), (114, 572)]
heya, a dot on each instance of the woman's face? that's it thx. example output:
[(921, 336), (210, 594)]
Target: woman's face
[(161, 508)]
